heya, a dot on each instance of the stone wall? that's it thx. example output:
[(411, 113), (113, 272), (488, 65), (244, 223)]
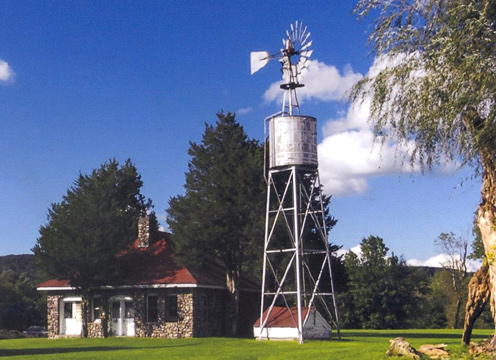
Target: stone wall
[(201, 312), (95, 330), (53, 324), (182, 328)]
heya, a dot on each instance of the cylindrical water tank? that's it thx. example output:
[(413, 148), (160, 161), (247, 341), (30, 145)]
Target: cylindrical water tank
[(293, 141)]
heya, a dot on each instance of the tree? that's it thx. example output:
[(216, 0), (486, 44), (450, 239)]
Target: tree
[(456, 248), (383, 292), (436, 85), (95, 220), (20, 304), (477, 244), (220, 216)]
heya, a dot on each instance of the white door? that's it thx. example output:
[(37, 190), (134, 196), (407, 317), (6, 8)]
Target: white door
[(71, 316), (128, 321), (122, 317)]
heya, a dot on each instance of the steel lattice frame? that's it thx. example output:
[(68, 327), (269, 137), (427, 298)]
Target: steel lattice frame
[(295, 210)]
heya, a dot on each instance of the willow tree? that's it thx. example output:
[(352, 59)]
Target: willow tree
[(434, 86)]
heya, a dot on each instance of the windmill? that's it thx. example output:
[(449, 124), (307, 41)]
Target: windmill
[(298, 299)]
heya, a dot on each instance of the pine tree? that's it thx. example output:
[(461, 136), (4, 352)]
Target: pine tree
[(220, 216), (95, 220)]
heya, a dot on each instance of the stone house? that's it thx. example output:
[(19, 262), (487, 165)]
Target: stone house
[(157, 297)]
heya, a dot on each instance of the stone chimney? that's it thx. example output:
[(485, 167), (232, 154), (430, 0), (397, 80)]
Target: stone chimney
[(143, 232)]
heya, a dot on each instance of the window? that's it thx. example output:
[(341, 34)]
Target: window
[(129, 310), (171, 310), (152, 308), (68, 310), (97, 306), (116, 310)]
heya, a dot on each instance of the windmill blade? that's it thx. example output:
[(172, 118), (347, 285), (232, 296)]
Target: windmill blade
[(300, 30), (306, 54), (303, 33), (307, 45), (306, 38), (258, 59)]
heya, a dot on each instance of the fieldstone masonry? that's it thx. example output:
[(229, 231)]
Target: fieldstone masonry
[(53, 324), (182, 328)]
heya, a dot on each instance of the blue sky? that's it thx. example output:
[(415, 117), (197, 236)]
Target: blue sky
[(83, 82)]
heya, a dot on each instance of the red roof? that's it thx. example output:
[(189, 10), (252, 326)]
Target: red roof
[(54, 283), (281, 316), (155, 265)]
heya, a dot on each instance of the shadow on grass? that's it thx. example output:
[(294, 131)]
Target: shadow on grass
[(68, 350), (420, 335)]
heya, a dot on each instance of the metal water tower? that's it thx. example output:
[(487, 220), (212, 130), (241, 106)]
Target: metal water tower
[(297, 274)]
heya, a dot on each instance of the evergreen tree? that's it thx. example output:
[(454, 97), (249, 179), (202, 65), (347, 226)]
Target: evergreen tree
[(96, 219), (220, 216)]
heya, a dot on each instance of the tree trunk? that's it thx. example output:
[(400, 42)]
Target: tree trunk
[(232, 279), (104, 316), (486, 220), (85, 313), (478, 295)]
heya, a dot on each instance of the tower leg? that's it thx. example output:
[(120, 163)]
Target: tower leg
[(297, 264)]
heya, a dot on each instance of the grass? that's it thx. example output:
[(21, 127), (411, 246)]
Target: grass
[(355, 344)]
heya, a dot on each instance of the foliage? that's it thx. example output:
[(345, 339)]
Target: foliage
[(478, 252), (383, 292), (356, 344), (11, 334), (449, 113), (96, 219), (452, 300), (433, 89), (437, 303), (19, 263), (220, 217), (456, 248), (20, 304)]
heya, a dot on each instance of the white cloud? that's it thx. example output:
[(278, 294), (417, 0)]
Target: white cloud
[(438, 260), (7, 75), (349, 155), (322, 82), (434, 261), (243, 111), (355, 249)]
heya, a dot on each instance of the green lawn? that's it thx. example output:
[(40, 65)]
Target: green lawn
[(355, 344)]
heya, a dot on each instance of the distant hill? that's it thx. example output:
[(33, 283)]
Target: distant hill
[(19, 263)]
